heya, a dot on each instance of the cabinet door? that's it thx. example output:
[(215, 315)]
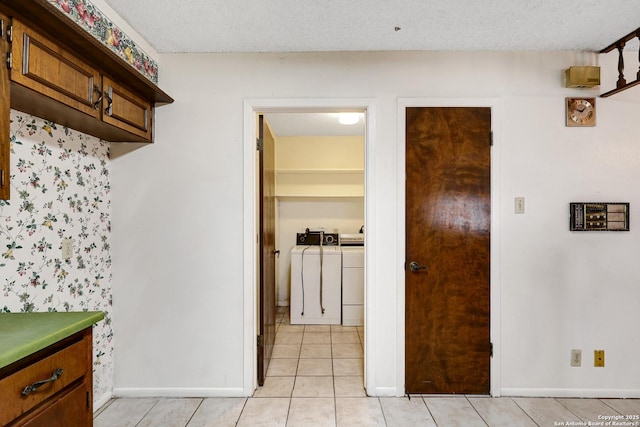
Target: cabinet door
[(5, 145), (47, 68), (125, 110), (68, 409)]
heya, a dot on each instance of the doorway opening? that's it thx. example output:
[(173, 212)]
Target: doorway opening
[(317, 188)]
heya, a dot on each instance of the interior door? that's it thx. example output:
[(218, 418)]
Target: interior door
[(267, 235), (448, 182)]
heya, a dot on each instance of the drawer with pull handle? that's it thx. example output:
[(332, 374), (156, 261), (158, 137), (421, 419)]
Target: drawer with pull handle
[(26, 388)]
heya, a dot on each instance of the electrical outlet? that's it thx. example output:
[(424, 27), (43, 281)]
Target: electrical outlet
[(67, 249), (576, 357), (598, 358), (519, 205)]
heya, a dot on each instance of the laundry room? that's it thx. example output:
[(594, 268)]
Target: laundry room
[(319, 196)]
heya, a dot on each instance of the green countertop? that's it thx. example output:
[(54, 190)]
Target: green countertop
[(22, 334)]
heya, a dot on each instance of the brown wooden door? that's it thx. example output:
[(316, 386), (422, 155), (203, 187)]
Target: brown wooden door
[(267, 248), (448, 181)]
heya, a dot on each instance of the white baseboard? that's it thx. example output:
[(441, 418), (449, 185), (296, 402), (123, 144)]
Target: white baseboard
[(571, 392), (99, 403), (378, 392), (178, 392), (385, 391)]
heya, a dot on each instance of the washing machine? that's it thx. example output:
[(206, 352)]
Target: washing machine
[(316, 281), (353, 286)]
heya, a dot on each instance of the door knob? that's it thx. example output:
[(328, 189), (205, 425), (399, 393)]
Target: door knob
[(414, 266)]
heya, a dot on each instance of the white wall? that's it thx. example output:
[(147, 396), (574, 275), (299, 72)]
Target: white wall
[(178, 219)]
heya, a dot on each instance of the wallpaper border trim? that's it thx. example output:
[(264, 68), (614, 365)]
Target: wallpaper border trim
[(96, 23)]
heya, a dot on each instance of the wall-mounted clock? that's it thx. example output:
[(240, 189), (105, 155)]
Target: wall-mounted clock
[(581, 112)]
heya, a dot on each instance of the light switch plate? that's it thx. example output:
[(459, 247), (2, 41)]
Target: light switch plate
[(519, 205), (67, 249)]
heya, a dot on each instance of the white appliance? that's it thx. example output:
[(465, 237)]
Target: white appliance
[(353, 239), (316, 278), (353, 286)]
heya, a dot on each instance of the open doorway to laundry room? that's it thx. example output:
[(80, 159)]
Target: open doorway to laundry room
[(319, 173)]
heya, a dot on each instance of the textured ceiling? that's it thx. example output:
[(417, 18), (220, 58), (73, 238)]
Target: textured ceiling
[(351, 25), (371, 25)]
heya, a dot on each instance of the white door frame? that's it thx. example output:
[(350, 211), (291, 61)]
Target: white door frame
[(250, 245), (496, 106)]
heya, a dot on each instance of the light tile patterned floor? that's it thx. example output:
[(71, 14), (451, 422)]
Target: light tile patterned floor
[(316, 379)]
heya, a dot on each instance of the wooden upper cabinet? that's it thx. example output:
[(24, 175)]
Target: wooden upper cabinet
[(59, 72), (47, 68), (126, 110), (45, 74)]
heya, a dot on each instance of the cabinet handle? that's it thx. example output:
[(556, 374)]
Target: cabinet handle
[(108, 111), (33, 387), (96, 104)]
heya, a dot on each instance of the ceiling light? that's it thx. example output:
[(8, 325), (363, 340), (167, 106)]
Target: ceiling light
[(349, 118)]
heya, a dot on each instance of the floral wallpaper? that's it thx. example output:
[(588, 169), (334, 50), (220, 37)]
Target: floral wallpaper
[(60, 189), (89, 17)]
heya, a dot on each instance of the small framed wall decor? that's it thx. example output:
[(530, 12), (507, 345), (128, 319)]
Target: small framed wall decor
[(580, 112)]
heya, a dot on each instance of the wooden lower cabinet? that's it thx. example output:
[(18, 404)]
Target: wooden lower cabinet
[(69, 409), (64, 397)]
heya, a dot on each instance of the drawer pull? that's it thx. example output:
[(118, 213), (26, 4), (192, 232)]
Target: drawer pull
[(33, 387)]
